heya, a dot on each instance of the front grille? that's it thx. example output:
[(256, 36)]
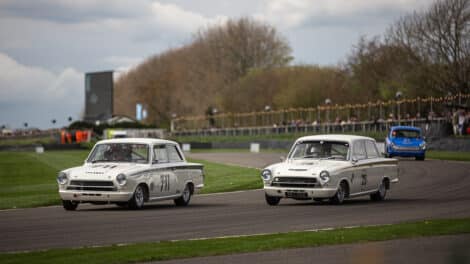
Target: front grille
[(407, 148), (298, 182), (105, 186)]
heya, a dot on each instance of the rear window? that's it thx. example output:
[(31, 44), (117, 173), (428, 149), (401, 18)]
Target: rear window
[(371, 150)]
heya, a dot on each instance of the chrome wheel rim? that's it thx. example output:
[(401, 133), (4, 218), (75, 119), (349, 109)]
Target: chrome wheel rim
[(139, 196), (382, 190), (340, 194), (186, 194)]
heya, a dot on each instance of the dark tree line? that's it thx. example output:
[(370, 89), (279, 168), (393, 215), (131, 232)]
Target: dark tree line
[(243, 65)]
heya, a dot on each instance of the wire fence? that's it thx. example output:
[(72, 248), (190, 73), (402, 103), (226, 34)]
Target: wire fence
[(431, 128), (348, 117)]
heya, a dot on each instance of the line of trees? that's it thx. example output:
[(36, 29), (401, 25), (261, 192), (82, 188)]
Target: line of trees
[(244, 65)]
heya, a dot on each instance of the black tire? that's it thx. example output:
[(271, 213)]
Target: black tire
[(421, 158), (138, 199), (69, 205), (340, 195), (185, 197), (272, 200), (380, 194)]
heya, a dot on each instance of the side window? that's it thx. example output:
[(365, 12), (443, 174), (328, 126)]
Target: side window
[(160, 154), (371, 150), (173, 154), (359, 151)]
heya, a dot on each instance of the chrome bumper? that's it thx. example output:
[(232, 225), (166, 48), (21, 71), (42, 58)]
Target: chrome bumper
[(310, 192), (90, 196)]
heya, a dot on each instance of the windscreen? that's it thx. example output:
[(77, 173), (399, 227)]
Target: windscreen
[(320, 150), (406, 133), (120, 152)]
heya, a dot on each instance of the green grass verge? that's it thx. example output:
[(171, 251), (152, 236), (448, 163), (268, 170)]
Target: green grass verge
[(250, 138), (28, 179), (27, 141), (166, 250), (244, 150), (226, 178), (448, 155)]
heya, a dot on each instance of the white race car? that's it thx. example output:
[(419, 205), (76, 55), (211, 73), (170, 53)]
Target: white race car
[(130, 172), (333, 167)]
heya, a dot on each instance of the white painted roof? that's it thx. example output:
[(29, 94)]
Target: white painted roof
[(137, 141), (333, 137)]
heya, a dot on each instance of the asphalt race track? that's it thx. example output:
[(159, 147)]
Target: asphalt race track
[(429, 189)]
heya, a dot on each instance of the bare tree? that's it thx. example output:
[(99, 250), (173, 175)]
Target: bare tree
[(188, 79), (439, 40)]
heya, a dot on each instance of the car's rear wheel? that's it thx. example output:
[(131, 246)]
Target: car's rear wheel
[(138, 199), (69, 205), (185, 197), (380, 194), (272, 200), (340, 194)]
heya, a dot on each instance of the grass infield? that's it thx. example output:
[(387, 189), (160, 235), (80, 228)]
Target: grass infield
[(166, 250), (28, 179), (448, 155)]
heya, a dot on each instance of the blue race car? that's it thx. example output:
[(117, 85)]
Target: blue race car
[(405, 141)]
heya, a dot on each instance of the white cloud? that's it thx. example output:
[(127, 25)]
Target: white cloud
[(174, 17), (21, 83), (296, 13), (37, 95)]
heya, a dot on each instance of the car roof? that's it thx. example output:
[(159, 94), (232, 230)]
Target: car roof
[(151, 141), (405, 128), (334, 137)]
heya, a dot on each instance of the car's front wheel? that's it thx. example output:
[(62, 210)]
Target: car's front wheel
[(185, 197), (69, 205), (340, 194), (380, 194), (138, 199), (272, 200)]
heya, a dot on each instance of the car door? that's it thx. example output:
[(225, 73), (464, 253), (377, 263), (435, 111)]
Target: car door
[(179, 171), (161, 172), (374, 170), (359, 172)]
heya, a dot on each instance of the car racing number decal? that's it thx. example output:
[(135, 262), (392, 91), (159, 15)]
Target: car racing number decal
[(165, 180)]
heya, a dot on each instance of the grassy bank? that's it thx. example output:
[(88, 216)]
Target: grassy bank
[(28, 179), (166, 250), (27, 141), (225, 178), (448, 155), (252, 138)]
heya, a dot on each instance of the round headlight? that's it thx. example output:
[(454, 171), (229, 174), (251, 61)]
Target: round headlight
[(266, 175), (325, 176), (423, 145), (121, 179), (62, 178)]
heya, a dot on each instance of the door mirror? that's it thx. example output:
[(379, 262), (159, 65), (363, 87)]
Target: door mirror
[(354, 160), (282, 158)]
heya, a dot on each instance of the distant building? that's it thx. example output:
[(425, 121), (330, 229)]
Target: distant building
[(98, 96)]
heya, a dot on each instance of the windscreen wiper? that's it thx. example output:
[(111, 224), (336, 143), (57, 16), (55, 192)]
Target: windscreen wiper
[(95, 161)]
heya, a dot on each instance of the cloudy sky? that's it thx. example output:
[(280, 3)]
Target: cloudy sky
[(47, 45)]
